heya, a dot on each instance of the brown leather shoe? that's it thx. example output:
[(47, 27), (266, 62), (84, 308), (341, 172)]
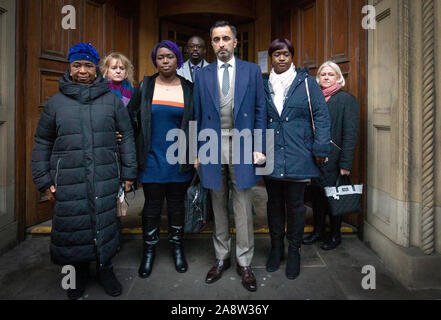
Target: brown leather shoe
[(216, 271), (248, 278)]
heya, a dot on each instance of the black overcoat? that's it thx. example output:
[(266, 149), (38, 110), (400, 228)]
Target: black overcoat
[(343, 111), (76, 150)]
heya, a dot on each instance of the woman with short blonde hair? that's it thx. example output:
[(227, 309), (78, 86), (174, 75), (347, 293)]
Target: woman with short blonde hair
[(343, 111), (340, 79), (119, 71)]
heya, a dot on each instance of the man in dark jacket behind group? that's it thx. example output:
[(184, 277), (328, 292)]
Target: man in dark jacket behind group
[(76, 162)]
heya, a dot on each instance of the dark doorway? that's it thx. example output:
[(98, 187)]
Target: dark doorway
[(179, 28)]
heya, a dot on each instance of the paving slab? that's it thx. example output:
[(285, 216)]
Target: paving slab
[(26, 272)]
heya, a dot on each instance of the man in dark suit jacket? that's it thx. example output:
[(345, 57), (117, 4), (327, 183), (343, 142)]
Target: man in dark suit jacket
[(229, 105)]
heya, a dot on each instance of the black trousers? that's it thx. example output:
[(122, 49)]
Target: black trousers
[(286, 196), (320, 208), (84, 266), (155, 193)]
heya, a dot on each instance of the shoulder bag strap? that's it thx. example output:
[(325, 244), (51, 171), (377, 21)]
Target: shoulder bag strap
[(309, 102), (310, 112)]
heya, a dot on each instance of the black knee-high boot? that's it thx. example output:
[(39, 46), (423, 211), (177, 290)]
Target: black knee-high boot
[(295, 226), (319, 206), (335, 238), (276, 224), (176, 239), (150, 228)]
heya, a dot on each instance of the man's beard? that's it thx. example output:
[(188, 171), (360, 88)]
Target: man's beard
[(224, 57)]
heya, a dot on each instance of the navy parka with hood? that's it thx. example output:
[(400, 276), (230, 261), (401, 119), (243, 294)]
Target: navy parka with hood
[(76, 150), (295, 144)]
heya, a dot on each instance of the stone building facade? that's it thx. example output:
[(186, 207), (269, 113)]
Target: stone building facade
[(403, 218), (395, 71)]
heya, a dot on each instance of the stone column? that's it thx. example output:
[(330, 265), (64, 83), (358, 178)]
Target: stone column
[(437, 82), (428, 137)]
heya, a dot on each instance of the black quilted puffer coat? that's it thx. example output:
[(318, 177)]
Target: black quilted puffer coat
[(76, 150)]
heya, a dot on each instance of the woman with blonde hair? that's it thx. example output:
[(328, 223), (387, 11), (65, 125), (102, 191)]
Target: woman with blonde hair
[(118, 70), (343, 111)]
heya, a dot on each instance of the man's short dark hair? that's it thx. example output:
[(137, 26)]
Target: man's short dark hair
[(219, 24)]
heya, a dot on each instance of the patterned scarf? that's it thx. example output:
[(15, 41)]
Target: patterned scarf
[(123, 90), (281, 83), (329, 92)]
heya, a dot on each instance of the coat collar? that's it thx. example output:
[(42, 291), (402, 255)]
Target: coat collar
[(301, 76), (186, 68), (241, 84), (211, 82), (187, 88), (266, 85), (84, 93), (188, 64)]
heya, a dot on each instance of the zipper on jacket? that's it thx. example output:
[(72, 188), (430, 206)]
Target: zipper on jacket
[(92, 215), (56, 174)]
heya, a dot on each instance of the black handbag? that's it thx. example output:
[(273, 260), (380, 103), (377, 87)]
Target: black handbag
[(344, 199), (198, 208)]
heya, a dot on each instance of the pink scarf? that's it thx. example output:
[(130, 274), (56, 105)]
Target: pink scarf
[(329, 92)]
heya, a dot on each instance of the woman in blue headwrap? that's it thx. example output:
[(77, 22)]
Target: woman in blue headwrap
[(77, 162), (162, 102)]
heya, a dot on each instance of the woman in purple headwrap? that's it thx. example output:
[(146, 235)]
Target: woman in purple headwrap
[(162, 102)]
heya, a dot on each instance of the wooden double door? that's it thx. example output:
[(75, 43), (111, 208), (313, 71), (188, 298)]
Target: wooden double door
[(319, 29), (43, 45)]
